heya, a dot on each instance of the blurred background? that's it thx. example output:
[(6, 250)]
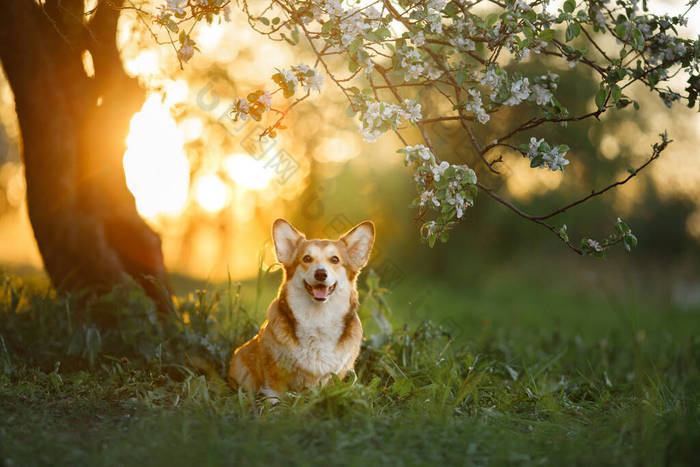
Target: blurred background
[(211, 188)]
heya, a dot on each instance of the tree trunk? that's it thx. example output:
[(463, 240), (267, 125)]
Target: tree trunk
[(74, 128)]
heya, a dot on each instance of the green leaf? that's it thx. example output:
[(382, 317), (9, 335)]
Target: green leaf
[(491, 19), (621, 226), (328, 27), (630, 241), (354, 45), (172, 25), (264, 21), (621, 30), (569, 6), (615, 93), (470, 177), (461, 77), (547, 35), (638, 39), (600, 97), (572, 31), (383, 33), (563, 234)]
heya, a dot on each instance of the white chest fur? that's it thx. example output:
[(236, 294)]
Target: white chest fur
[(318, 329)]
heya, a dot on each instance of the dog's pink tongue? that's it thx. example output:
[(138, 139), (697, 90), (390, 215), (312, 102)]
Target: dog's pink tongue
[(320, 292)]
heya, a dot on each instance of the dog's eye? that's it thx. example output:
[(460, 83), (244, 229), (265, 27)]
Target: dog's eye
[(335, 259), (307, 258)]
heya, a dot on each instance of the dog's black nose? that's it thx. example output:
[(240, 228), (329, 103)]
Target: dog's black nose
[(320, 275)]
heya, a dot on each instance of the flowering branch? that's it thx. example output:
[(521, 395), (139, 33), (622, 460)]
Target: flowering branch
[(409, 60)]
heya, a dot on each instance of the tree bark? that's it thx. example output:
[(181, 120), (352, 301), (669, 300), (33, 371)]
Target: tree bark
[(74, 128)]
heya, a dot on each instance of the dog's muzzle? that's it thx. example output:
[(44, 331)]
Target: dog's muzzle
[(319, 292)]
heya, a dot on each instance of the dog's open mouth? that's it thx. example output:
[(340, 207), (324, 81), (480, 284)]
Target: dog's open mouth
[(320, 292)]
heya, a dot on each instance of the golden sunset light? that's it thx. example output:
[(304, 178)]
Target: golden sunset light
[(156, 167), (210, 192), (349, 232), (247, 172)]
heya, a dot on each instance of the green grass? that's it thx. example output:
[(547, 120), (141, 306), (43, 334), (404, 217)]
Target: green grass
[(529, 363)]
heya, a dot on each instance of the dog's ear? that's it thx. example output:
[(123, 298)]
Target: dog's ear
[(358, 243), (286, 239)]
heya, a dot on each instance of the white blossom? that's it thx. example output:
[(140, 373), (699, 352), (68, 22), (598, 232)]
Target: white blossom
[(555, 160), (265, 100), (519, 91), (475, 105), (541, 95), (240, 109), (434, 23), (418, 39), (593, 245), (412, 111), (418, 150), (176, 6), (439, 169), (185, 52), (290, 79), (314, 82), (542, 155), (436, 5), (463, 43), (428, 195)]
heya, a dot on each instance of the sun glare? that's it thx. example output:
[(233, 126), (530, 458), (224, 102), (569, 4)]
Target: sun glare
[(145, 63), (247, 171), (210, 192), (191, 128), (176, 92), (156, 167), (209, 36)]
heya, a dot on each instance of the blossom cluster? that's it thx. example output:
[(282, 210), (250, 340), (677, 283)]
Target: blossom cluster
[(187, 48), (253, 106), (289, 81), (445, 189), (178, 8), (378, 117), (476, 106), (297, 76), (173, 12), (621, 234), (514, 90), (541, 154), (414, 64)]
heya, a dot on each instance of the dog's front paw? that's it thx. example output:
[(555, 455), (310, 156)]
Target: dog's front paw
[(271, 395)]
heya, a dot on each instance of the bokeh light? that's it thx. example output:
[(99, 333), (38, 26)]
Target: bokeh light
[(247, 172), (210, 192)]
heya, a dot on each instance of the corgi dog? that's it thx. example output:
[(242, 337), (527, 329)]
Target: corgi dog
[(312, 328)]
